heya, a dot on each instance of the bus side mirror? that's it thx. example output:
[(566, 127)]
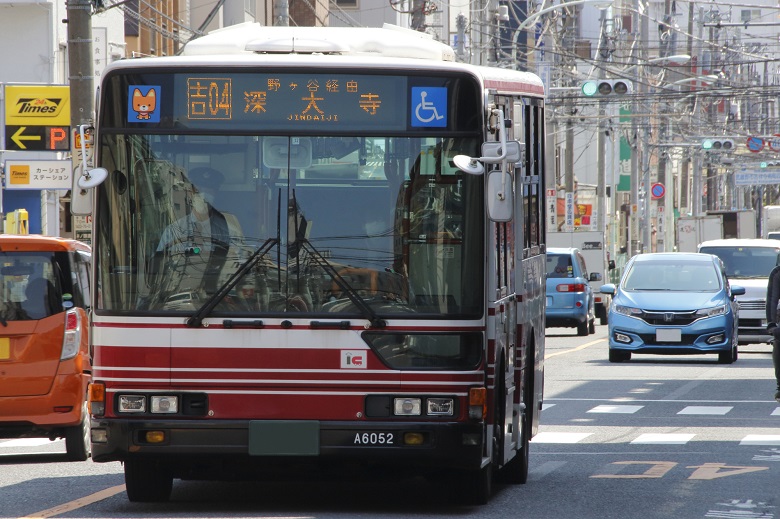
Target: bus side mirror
[(84, 179), (499, 195)]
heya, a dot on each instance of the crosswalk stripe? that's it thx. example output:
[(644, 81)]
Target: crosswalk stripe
[(28, 442), (619, 409), (559, 437), (663, 439), (761, 439), (704, 409)]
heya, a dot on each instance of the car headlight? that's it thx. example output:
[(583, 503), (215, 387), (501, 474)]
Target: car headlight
[(709, 312), (627, 310)]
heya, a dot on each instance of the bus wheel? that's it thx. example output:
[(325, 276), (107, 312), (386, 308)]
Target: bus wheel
[(516, 471), (477, 485), (147, 482), (77, 444)]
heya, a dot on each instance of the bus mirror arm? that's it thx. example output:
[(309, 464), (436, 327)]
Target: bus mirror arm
[(499, 194), (90, 177), (492, 152)]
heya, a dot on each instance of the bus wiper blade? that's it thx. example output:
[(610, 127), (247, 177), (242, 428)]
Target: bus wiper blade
[(196, 319), (359, 302)]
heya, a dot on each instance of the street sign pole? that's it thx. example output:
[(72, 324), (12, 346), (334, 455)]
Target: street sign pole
[(82, 92)]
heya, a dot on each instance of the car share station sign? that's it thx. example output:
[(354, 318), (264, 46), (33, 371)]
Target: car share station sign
[(37, 118), (38, 174)]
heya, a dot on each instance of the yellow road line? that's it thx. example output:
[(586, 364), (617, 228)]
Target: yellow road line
[(578, 348), (78, 503)]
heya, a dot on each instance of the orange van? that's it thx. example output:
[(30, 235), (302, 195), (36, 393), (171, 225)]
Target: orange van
[(44, 344)]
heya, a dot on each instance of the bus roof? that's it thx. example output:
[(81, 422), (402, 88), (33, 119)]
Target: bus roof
[(251, 44), (389, 41)]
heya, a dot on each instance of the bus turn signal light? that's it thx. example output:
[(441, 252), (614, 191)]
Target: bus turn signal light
[(477, 403), (97, 398)]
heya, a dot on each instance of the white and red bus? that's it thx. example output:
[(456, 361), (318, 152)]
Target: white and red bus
[(316, 245)]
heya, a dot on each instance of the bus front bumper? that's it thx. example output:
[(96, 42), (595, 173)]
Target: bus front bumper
[(186, 443)]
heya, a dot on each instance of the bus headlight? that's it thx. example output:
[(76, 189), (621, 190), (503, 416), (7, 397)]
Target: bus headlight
[(440, 406), (132, 404), (165, 404), (408, 406)]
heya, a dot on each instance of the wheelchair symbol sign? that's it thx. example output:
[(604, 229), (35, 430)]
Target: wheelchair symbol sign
[(429, 107)]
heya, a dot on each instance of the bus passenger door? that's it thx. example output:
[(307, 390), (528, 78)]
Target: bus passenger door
[(505, 307)]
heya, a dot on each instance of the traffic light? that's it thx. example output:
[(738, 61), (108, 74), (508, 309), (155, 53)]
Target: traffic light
[(606, 87), (715, 144)]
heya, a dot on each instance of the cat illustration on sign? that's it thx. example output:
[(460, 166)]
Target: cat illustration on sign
[(144, 105)]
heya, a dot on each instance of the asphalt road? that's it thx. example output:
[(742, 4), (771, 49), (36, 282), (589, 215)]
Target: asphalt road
[(657, 437)]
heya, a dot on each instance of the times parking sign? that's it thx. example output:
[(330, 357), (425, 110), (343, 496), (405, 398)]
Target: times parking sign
[(37, 118)]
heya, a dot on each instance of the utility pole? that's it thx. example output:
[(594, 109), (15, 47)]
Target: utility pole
[(647, 245), (281, 13), (601, 160), (697, 188), (82, 92), (633, 233), (418, 15), (666, 39), (460, 47), (711, 108), (568, 43)]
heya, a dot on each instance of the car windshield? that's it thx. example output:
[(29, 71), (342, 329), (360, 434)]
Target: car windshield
[(30, 286), (746, 262), (672, 276)]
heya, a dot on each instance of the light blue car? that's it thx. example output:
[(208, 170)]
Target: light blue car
[(570, 301), (673, 303)]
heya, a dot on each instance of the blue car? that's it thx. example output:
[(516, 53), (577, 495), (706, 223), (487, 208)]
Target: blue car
[(570, 300), (673, 303)]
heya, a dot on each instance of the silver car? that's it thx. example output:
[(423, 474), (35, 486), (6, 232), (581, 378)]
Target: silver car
[(748, 263)]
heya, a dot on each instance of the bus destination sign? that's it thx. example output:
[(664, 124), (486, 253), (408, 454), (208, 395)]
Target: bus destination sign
[(279, 101)]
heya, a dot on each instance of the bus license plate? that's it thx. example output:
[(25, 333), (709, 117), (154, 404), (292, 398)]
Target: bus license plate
[(374, 438)]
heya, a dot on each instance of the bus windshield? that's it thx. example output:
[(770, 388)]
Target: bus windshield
[(390, 220)]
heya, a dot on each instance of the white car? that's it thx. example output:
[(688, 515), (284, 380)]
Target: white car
[(748, 263)]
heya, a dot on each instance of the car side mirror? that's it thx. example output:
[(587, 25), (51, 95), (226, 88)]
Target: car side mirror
[(595, 276), (609, 288)]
